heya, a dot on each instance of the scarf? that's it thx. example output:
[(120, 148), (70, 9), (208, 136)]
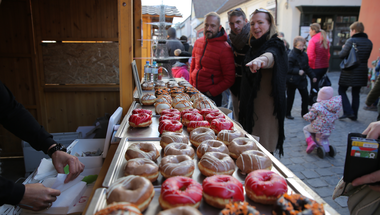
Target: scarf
[(250, 84), (240, 40)]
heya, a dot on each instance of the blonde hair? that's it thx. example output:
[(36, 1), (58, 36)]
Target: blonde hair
[(323, 39), (358, 27), (298, 39), (269, 18)]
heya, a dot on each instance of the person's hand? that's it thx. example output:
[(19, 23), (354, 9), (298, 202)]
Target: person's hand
[(343, 46), (366, 179), (38, 197), (314, 80), (208, 94), (257, 64), (61, 159), (301, 72), (373, 130)]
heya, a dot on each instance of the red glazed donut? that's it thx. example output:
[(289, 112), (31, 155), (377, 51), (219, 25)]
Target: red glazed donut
[(170, 125), (188, 117), (180, 191), (139, 110), (221, 124), (140, 120), (173, 111), (216, 115), (196, 124), (170, 116), (191, 110), (265, 186), (206, 111), (219, 190)]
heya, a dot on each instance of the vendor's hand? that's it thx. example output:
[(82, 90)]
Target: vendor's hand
[(38, 197), (61, 159), (373, 130), (301, 72), (314, 80), (367, 179), (257, 64)]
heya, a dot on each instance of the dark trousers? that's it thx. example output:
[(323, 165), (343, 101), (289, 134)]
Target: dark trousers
[(290, 92), (347, 108), (217, 99), (319, 73)]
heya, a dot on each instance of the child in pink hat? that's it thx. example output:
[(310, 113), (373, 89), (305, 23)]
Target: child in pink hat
[(322, 116)]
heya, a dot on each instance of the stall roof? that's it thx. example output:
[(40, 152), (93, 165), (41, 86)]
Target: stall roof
[(230, 4)]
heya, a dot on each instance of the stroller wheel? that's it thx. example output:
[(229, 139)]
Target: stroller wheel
[(332, 151), (321, 152)]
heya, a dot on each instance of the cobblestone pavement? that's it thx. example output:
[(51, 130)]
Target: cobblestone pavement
[(322, 174)]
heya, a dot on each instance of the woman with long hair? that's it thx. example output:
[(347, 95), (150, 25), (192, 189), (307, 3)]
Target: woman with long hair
[(262, 95)]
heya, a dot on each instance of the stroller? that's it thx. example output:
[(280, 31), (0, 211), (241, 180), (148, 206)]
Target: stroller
[(323, 145), (325, 81)]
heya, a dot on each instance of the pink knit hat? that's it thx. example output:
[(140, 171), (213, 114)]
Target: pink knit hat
[(325, 93)]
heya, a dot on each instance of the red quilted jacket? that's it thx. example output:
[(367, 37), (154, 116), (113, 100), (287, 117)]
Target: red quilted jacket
[(212, 67), (318, 56)]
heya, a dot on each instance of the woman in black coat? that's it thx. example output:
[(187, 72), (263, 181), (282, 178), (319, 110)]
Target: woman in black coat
[(296, 77), (357, 77)]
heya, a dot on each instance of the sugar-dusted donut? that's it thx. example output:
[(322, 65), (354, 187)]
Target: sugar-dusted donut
[(226, 136), (219, 190), (173, 137), (198, 135), (202, 103), (265, 186), (216, 163), (221, 124), (179, 98), (240, 145), (182, 96), (159, 84), (196, 96), (160, 106), (140, 120), (169, 125), (179, 149), (173, 111), (206, 111), (188, 117), (180, 191), (171, 84), (147, 86), (216, 115), (148, 99), (134, 189), (142, 150), (251, 160), (196, 124), (122, 208), (190, 110), (297, 204), (170, 116), (164, 98), (181, 210), (176, 165), (182, 105), (143, 167), (211, 146), (139, 110)]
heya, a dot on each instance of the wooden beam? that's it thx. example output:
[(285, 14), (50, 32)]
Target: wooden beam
[(125, 29), (137, 20)]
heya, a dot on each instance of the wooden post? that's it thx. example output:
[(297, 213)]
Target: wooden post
[(137, 20), (125, 26)]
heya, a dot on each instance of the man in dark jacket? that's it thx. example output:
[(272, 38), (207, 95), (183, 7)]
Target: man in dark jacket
[(184, 42), (172, 44), (212, 68), (357, 77), (238, 39), (15, 118)]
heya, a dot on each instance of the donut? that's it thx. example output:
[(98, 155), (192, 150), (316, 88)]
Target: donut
[(180, 191), (143, 167), (217, 115), (265, 186), (239, 209), (170, 116), (172, 137), (162, 91), (147, 86), (182, 105), (169, 125), (240, 145), (190, 110), (226, 136), (198, 135), (182, 83), (176, 165), (142, 150), (206, 111), (172, 111), (164, 98), (122, 208), (160, 106), (196, 96), (159, 84), (179, 149), (171, 84), (134, 189), (188, 117), (205, 103), (297, 204), (219, 190), (221, 124), (174, 91), (216, 163), (181, 210), (211, 146), (139, 110), (183, 96), (196, 124), (179, 98), (251, 160), (148, 99), (140, 120)]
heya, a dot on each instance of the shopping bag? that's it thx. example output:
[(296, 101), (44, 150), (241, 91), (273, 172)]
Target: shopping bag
[(352, 60), (325, 81)]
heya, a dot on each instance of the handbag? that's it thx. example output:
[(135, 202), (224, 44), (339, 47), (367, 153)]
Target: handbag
[(352, 60), (325, 81)]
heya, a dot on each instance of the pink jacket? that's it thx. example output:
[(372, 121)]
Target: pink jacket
[(323, 114), (318, 56), (181, 71)]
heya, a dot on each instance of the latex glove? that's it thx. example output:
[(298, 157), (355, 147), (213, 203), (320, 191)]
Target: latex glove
[(61, 159), (370, 178), (257, 64), (301, 72), (38, 197)]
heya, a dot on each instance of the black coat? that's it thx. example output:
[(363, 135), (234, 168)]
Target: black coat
[(359, 75), (298, 60)]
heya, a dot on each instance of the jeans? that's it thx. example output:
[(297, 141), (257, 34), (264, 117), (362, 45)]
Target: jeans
[(347, 108), (290, 92)]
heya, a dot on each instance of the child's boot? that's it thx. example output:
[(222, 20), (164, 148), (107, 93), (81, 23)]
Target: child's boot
[(310, 145)]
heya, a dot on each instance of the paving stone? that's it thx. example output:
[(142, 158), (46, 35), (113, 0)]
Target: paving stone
[(316, 183), (337, 170), (311, 158), (323, 163), (309, 165), (324, 172), (285, 161), (309, 174), (342, 201), (324, 191), (299, 175), (297, 160), (296, 168), (332, 180)]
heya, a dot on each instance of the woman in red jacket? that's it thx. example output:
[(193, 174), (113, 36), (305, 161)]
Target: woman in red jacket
[(318, 52)]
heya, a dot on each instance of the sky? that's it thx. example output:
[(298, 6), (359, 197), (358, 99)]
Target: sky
[(184, 7)]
